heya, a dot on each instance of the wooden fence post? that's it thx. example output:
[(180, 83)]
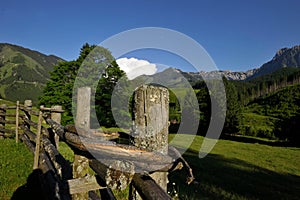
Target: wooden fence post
[(56, 116), (17, 122), (2, 117), (81, 163), (28, 106), (38, 140), (151, 106)]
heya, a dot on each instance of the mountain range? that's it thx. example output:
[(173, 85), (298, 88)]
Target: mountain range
[(24, 72), (285, 57)]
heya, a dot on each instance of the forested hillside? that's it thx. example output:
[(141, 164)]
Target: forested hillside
[(267, 106), (263, 85), (23, 72), (276, 115)]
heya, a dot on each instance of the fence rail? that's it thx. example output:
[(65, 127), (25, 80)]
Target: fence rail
[(60, 179)]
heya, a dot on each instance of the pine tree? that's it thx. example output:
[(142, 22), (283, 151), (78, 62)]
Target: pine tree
[(233, 108), (59, 89)]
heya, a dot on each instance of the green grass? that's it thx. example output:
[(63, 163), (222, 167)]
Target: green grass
[(258, 125), (15, 165), (66, 152), (235, 170)]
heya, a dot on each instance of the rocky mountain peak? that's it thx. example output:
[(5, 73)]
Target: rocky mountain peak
[(287, 52)]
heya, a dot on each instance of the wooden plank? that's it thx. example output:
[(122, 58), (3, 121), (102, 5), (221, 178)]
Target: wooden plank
[(82, 119), (83, 185), (27, 142), (100, 169), (11, 107), (31, 135), (91, 133), (35, 125), (61, 165), (30, 123), (27, 109), (53, 110), (2, 118), (34, 112), (50, 182), (147, 188), (117, 174), (38, 142), (17, 122), (7, 115), (143, 160), (7, 121), (56, 116), (3, 130), (6, 135)]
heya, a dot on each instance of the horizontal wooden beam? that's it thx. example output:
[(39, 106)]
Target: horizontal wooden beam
[(6, 135), (7, 115), (85, 184), (30, 111), (148, 188), (144, 160), (7, 131), (8, 121), (52, 110)]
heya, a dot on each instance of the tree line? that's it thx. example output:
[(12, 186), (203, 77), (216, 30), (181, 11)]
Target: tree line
[(240, 95)]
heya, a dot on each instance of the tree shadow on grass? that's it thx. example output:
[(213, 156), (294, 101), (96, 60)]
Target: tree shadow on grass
[(31, 189), (218, 177), (240, 138)]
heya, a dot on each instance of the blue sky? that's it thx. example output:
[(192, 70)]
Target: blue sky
[(238, 35)]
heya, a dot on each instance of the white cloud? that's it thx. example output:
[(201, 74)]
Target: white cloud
[(134, 67)]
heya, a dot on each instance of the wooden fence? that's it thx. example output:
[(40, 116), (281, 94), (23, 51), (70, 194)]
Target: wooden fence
[(142, 165)]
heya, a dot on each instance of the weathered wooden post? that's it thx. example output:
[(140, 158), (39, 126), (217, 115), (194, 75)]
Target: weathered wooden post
[(2, 118), (17, 122), (38, 140), (151, 107), (56, 116), (27, 109), (81, 163)]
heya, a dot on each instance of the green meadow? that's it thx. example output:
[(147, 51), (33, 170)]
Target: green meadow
[(236, 170), (232, 170)]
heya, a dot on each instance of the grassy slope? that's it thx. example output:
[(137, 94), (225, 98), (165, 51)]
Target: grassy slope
[(236, 170), (23, 72), (15, 166)]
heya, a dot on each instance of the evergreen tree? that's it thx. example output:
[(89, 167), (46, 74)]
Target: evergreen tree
[(59, 89), (104, 91), (204, 106), (233, 108)]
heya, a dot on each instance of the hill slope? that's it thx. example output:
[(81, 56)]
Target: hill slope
[(23, 72), (276, 115)]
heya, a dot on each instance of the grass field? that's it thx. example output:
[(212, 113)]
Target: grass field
[(233, 170), (15, 165)]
